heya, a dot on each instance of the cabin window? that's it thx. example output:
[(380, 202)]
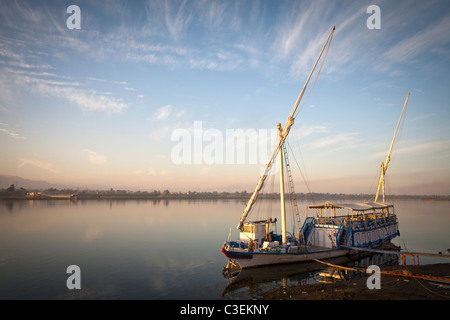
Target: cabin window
[(249, 229)]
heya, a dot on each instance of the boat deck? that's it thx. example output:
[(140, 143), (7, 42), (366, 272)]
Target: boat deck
[(292, 249)]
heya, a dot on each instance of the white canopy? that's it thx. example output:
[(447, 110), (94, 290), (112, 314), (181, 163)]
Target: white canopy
[(362, 206)]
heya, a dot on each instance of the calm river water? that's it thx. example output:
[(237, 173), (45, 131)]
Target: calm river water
[(156, 249)]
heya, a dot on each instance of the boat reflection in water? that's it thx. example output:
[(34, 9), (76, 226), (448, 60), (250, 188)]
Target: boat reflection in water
[(253, 282)]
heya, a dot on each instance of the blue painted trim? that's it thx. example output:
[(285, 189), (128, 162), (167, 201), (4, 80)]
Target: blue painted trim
[(248, 255), (371, 243)]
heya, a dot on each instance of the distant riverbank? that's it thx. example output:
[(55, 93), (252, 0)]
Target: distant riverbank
[(166, 195), (23, 189)]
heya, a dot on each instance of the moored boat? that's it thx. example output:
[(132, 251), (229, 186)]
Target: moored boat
[(323, 236), (332, 232)]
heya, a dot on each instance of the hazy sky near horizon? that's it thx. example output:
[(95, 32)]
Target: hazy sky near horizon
[(103, 104)]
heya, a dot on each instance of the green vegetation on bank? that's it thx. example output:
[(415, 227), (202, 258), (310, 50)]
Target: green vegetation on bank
[(14, 193)]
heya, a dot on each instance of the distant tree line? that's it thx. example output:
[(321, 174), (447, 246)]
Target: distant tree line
[(12, 192)]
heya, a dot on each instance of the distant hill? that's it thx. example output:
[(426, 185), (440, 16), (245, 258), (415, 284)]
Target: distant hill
[(6, 181), (33, 185)]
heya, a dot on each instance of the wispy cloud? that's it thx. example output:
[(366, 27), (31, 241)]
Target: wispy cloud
[(300, 35), (423, 117), (307, 130), (85, 99), (339, 141), (47, 166), (165, 120), (424, 40), (105, 80), (37, 78), (178, 20), (419, 148), (12, 133), (71, 91), (95, 158), (150, 172), (164, 112), (294, 37), (297, 39)]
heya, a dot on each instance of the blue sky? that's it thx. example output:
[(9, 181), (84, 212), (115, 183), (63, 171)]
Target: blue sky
[(99, 105)]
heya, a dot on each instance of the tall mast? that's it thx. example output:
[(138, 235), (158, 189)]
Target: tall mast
[(282, 137), (283, 210), (384, 165)]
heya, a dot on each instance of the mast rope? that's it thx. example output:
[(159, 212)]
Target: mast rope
[(396, 146), (372, 186), (315, 80), (271, 192), (263, 188), (400, 133), (293, 202), (301, 172)]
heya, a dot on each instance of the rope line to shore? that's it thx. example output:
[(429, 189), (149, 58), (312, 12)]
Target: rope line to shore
[(431, 291), (405, 273)]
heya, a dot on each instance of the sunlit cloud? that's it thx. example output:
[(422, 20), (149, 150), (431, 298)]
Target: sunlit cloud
[(95, 158), (12, 133), (71, 91), (39, 164), (420, 148), (85, 99), (164, 112), (165, 120), (308, 130), (336, 141)]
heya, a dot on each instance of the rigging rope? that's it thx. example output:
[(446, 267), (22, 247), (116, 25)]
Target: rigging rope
[(315, 80), (292, 202), (258, 208), (373, 189), (301, 172), (400, 133)]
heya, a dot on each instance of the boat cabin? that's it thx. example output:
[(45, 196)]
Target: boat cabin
[(363, 224), (257, 231)]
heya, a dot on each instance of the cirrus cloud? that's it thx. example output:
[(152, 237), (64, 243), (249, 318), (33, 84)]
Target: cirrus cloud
[(95, 158)]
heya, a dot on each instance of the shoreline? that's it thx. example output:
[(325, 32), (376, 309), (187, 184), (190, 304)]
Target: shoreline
[(206, 196), (393, 287)]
